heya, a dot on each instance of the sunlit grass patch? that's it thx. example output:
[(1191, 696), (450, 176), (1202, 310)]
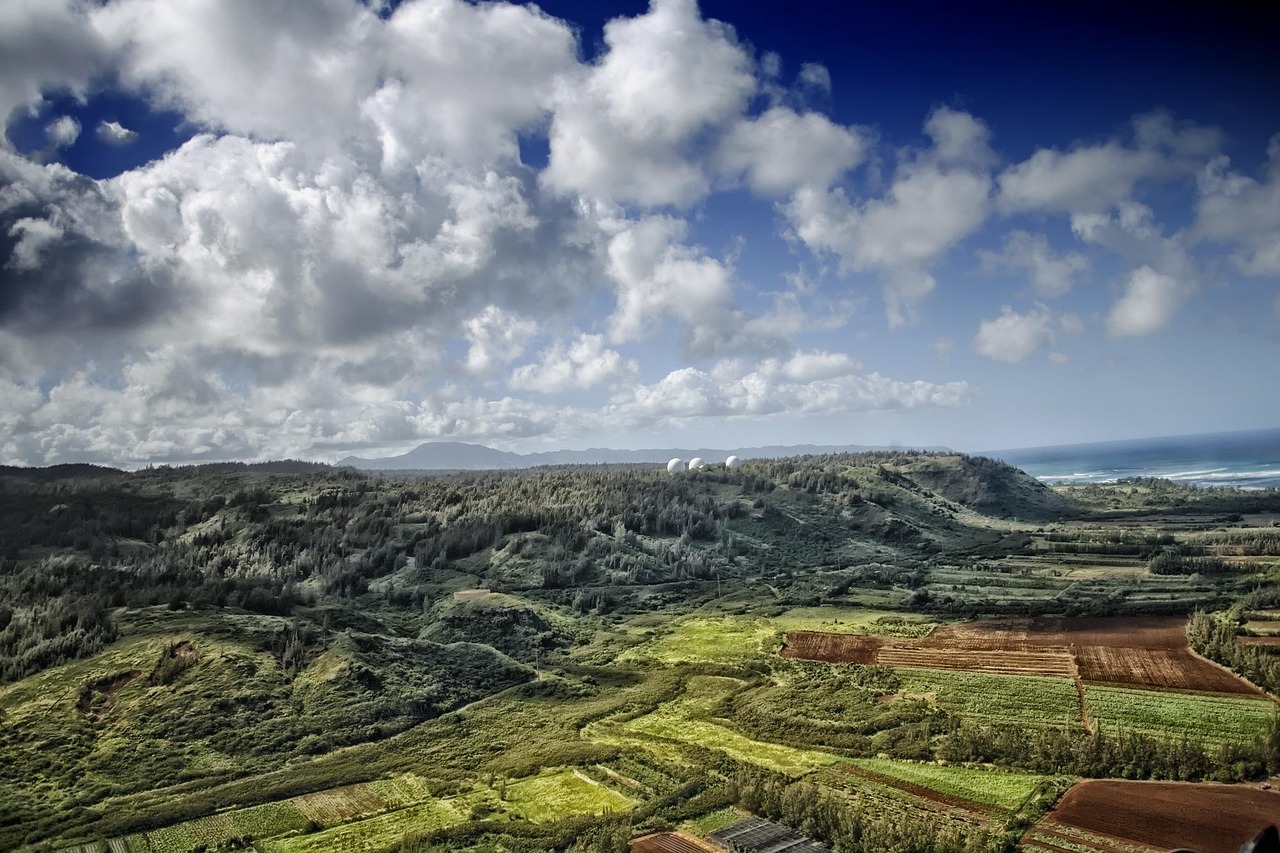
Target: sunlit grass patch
[(562, 794), (994, 788)]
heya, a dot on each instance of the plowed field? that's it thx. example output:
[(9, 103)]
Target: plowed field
[(1173, 669), (666, 842), (1044, 663), (1208, 818), (1145, 652), (831, 648)]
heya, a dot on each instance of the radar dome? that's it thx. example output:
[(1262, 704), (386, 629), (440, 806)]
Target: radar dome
[(733, 463), (675, 466), (696, 464)]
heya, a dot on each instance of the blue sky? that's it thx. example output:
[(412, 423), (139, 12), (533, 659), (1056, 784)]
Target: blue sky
[(246, 230)]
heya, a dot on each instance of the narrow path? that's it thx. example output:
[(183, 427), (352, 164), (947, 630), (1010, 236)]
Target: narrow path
[(1084, 704)]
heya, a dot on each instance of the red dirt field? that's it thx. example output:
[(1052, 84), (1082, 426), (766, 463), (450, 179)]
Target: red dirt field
[(1145, 652), (1205, 817), (831, 648), (1171, 669), (667, 842)]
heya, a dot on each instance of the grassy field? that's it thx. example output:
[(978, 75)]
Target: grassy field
[(988, 787), (562, 794), (1024, 699), (686, 721), (739, 638), (1214, 719), (375, 833)]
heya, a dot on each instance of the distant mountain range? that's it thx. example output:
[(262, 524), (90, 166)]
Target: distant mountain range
[(458, 456)]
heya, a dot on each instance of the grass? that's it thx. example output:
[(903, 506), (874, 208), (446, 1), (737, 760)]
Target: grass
[(375, 833), (687, 721), (562, 794), (709, 639), (1024, 699), (740, 638), (1213, 719), (988, 787)]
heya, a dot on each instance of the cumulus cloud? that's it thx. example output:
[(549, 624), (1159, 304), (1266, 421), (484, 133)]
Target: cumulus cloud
[(496, 338), (1012, 336), (114, 133), (781, 150), (936, 199), (1243, 212), (350, 252), (63, 131), (629, 128), (689, 393), (585, 363), (1090, 178), (1050, 273), (1150, 301)]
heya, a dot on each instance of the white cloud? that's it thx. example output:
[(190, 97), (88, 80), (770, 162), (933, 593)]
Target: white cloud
[(1243, 212), (1050, 273), (628, 129), (781, 150), (1012, 336), (935, 200), (585, 363), (770, 390), (496, 338), (1150, 301), (1090, 178), (63, 131), (114, 133)]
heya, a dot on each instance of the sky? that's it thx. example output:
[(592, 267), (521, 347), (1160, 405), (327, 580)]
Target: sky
[(313, 228)]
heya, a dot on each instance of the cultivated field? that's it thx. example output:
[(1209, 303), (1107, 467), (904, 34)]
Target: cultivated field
[(1127, 817), (1144, 652), (669, 842)]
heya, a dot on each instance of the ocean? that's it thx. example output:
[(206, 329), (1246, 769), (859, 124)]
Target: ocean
[(1246, 460)]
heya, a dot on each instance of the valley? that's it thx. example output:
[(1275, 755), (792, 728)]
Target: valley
[(923, 651)]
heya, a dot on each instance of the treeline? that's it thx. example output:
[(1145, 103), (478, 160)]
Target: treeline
[(1175, 563), (1215, 638), (1102, 754)]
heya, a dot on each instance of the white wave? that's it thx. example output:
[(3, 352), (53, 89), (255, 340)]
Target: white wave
[(1190, 475)]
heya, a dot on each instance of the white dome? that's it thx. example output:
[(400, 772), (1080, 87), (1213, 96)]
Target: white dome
[(696, 464), (675, 466), (733, 463)]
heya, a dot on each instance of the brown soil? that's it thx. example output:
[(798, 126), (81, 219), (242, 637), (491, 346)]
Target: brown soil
[(1173, 669), (1146, 651), (96, 699), (1206, 817), (831, 648), (668, 842)]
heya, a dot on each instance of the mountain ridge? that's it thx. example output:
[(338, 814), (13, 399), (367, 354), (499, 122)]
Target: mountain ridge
[(461, 456)]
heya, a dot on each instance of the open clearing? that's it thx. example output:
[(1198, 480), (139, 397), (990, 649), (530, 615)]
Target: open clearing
[(959, 785), (1145, 652), (1125, 817), (668, 842)]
